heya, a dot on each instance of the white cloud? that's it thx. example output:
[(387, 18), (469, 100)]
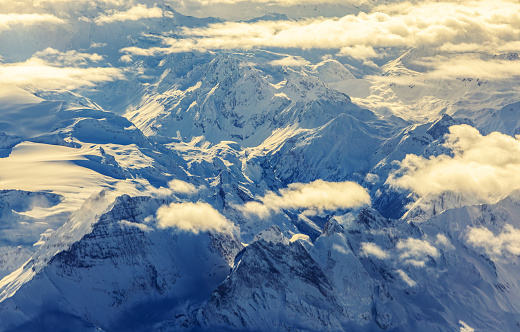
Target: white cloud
[(70, 58), (290, 62), (416, 251), (359, 52), (372, 178), (465, 327), (140, 226), (193, 217), (276, 2), (133, 14), (372, 249), (300, 237), (318, 196), (443, 241), (97, 45), (434, 24), (468, 65), (484, 168), (65, 6), (182, 187), (38, 74), (126, 58), (7, 21), (507, 242), (340, 249), (406, 278)]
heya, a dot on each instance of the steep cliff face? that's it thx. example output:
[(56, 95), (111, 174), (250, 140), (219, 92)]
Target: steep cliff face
[(105, 267)]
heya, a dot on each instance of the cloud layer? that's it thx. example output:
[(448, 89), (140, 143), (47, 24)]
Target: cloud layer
[(8, 21), (37, 74), (69, 58), (193, 217), (51, 69), (484, 167), (277, 2), (133, 14), (437, 24)]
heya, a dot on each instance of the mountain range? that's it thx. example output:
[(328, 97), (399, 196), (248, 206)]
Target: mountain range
[(250, 188)]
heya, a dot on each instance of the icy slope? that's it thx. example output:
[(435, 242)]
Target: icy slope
[(232, 99), (54, 149), (404, 88)]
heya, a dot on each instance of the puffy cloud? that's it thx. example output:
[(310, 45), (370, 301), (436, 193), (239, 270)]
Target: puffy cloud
[(38, 74), (483, 168), (436, 24), (507, 242), (133, 14), (372, 249), (7, 21), (193, 217), (318, 196), (182, 187), (416, 251)]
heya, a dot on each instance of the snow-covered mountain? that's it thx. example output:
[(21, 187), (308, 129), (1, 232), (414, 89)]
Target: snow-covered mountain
[(154, 179)]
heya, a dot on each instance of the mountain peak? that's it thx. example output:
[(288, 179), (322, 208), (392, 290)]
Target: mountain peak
[(272, 235), (332, 227)]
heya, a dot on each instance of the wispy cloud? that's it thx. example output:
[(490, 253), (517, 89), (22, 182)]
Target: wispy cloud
[(409, 281), (133, 14), (416, 252), (443, 241), (317, 196), (70, 58), (8, 21), (436, 24), (506, 242), (36, 73), (372, 249), (467, 65)]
